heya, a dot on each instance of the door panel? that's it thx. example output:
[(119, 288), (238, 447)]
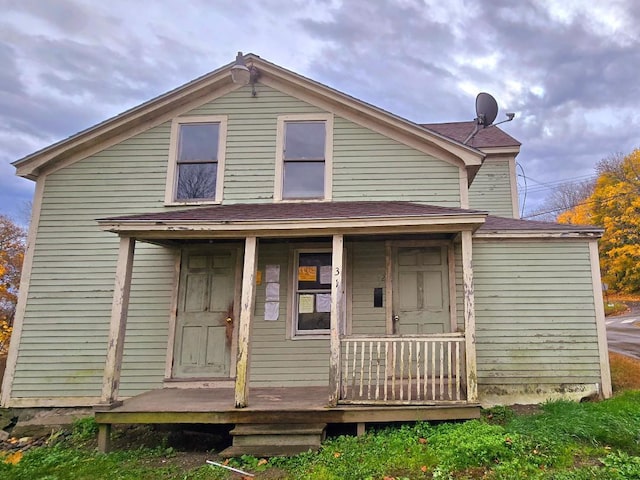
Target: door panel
[(421, 290), (206, 296)]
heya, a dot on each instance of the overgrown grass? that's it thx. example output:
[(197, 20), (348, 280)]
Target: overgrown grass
[(625, 372), (565, 441)]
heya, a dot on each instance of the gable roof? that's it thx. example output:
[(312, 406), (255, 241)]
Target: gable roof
[(217, 83), (485, 138)]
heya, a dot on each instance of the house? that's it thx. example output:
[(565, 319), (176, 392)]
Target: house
[(258, 249)]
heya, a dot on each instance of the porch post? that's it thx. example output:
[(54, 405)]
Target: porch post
[(118, 326), (469, 317), (337, 313), (247, 304)]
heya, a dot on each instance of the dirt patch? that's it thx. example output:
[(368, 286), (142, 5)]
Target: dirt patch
[(526, 409)]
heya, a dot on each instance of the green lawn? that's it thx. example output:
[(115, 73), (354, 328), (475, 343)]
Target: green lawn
[(577, 441)]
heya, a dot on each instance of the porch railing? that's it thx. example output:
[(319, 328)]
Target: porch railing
[(402, 369)]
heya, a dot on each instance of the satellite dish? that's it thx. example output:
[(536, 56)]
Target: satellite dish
[(486, 109)]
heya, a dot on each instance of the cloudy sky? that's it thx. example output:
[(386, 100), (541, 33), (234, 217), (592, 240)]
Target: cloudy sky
[(568, 68)]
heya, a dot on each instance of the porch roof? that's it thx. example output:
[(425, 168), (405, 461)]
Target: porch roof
[(516, 226), (296, 218)]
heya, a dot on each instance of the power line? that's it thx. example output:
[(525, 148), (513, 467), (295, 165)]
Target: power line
[(579, 204), (556, 183)]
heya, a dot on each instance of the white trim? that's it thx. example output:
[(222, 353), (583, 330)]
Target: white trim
[(172, 170), (25, 281), (52, 165), (469, 316), (247, 307), (547, 234), (327, 118), (464, 188), (442, 223), (515, 201), (500, 150), (337, 316), (603, 351)]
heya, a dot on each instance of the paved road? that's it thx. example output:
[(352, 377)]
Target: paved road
[(623, 332)]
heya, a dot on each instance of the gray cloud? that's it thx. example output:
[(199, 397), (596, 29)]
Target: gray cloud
[(570, 77)]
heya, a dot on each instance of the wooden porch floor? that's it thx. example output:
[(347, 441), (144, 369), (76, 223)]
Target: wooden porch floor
[(267, 405)]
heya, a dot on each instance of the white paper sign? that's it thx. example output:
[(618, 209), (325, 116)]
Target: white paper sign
[(271, 311), (273, 273), (305, 303), (273, 292), (323, 302), (325, 274)]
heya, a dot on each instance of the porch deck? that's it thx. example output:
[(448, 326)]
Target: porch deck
[(267, 405)]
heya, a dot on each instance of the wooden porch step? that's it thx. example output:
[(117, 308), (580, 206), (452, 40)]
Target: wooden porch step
[(274, 439)]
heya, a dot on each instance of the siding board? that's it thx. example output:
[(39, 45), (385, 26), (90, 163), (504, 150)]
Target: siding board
[(535, 325), (491, 189)]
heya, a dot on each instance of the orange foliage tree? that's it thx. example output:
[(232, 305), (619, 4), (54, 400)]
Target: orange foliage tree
[(615, 206), (12, 246)]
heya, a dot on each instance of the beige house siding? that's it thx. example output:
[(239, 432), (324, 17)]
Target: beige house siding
[(275, 359), (491, 188), (69, 300), (370, 166), (366, 164), (69, 303), (535, 317), (367, 260)]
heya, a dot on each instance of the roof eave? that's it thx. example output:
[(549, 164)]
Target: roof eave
[(30, 165), (290, 227), (533, 233)]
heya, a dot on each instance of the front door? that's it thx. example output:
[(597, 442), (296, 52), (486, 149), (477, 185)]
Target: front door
[(421, 290), (204, 334)]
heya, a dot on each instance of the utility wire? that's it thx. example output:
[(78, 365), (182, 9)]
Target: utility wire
[(587, 202)]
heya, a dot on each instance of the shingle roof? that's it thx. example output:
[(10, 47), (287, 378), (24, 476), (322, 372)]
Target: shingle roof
[(297, 211), (493, 223), (485, 138)]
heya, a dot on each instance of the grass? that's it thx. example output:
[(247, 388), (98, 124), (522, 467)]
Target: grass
[(625, 372), (565, 441)]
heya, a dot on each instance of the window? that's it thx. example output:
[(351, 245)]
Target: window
[(304, 157), (196, 160), (312, 292)]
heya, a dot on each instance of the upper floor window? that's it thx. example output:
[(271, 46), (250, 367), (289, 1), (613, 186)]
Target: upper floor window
[(196, 160), (304, 157)]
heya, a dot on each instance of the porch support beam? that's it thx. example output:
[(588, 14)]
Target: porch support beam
[(247, 305), (469, 316), (337, 314), (118, 326)]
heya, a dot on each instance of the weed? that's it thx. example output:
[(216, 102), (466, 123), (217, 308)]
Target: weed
[(84, 429), (499, 415)]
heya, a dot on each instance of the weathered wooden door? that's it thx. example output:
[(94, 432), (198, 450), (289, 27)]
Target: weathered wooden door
[(421, 290), (205, 301)]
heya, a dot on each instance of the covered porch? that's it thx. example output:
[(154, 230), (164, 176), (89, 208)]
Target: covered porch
[(405, 374)]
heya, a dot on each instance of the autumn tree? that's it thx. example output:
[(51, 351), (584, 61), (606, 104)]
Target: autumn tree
[(12, 246), (615, 206), (563, 198)]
